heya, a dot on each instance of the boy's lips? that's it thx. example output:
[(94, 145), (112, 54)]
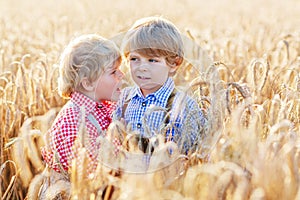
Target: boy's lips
[(143, 77)]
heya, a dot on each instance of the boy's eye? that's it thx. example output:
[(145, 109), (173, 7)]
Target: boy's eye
[(153, 60), (133, 59)]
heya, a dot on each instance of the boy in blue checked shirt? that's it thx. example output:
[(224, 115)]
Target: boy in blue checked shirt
[(153, 48)]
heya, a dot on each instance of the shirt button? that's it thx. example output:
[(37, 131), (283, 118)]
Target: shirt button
[(143, 104), (139, 125)]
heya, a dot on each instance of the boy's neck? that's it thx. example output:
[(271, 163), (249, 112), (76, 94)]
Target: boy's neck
[(90, 95), (146, 93)]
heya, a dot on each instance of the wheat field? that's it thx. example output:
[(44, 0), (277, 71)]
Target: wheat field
[(252, 148)]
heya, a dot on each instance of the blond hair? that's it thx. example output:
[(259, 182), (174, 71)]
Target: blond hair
[(154, 36), (87, 56)]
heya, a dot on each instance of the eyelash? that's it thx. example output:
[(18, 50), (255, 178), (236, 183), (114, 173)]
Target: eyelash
[(150, 60), (153, 60), (133, 59)]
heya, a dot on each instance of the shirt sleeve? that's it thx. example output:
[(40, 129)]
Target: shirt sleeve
[(193, 124), (62, 136), (188, 128), (64, 143)]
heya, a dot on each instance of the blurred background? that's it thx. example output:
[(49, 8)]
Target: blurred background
[(255, 42)]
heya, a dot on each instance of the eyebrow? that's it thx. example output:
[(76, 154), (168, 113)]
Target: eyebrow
[(137, 54)]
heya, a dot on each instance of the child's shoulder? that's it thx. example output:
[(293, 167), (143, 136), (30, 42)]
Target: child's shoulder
[(188, 106), (69, 112), (184, 97)]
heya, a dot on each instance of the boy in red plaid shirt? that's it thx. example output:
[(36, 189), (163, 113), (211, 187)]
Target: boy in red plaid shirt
[(91, 79)]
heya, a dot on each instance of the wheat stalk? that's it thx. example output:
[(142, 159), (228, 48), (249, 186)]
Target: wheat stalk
[(268, 145), (259, 78)]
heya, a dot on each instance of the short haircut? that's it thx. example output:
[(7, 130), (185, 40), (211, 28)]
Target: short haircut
[(154, 36), (86, 56)]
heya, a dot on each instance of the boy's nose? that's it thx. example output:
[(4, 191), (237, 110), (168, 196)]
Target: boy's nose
[(143, 66)]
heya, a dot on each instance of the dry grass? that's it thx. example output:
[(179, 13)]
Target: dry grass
[(250, 95)]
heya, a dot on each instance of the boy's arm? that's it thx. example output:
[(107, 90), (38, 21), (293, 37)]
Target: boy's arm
[(64, 143), (190, 126), (195, 124)]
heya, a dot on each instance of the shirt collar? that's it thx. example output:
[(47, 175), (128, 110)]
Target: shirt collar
[(161, 95), (89, 104), (107, 106)]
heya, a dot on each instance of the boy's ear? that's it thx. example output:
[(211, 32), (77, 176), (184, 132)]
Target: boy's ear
[(177, 62), (87, 85)]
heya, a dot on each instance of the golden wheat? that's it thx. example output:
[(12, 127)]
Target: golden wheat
[(250, 152)]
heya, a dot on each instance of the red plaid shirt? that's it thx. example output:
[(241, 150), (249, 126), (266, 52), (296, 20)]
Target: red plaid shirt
[(61, 137)]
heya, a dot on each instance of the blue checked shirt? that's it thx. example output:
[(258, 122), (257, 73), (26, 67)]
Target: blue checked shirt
[(147, 115)]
